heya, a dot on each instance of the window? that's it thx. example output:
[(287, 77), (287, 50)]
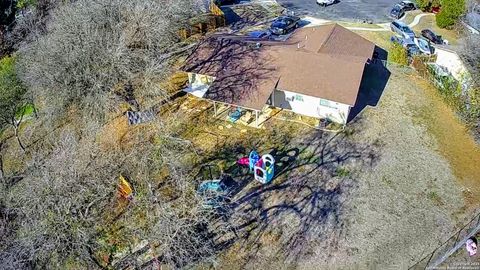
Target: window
[(327, 103), (298, 97)]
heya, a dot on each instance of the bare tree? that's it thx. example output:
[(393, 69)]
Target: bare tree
[(473, 14), (90, 50), (64, 203), (93, 48), (471, 57)]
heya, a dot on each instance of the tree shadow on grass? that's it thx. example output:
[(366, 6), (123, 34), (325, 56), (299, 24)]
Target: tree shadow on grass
[(302, 210)]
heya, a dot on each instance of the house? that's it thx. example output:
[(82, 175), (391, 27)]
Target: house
[(316, 72)]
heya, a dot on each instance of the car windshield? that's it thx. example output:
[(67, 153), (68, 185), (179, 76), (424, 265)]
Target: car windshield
[(279, 23), (413, 48), (406, 29)]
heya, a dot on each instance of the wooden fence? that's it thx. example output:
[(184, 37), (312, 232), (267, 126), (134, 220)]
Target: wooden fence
[(204, 23)]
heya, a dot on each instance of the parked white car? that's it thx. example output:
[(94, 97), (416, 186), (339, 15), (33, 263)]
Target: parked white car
[(326, 2)]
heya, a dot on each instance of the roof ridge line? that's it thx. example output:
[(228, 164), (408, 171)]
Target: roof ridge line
[(329, 35)]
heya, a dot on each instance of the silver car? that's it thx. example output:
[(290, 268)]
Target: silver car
[(402, 29)]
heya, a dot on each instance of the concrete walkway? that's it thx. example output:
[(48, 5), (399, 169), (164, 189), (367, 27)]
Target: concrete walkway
[(381, 27), (417, 18)]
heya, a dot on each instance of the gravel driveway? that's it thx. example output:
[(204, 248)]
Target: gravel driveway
[(350, 10)]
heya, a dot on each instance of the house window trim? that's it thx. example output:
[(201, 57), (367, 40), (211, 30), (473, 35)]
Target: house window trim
[(328, 103), (298, 97)]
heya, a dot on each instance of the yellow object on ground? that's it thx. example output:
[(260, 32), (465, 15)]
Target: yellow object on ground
[(124, 188)]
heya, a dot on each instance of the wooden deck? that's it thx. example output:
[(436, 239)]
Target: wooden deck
[(248, 117)]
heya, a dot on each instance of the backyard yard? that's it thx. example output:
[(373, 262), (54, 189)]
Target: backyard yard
[(365, 164), (385, 192)]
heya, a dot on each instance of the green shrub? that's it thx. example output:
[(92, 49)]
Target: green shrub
[(25, 3), (398, 54), (450, 12), (427, 5), (342, 172), (11, 91)]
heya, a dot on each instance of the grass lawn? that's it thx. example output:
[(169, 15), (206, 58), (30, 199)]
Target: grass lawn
[(410, 16), (341, 199), (363, 25), (429, 22), (404, 172), (381, 38)]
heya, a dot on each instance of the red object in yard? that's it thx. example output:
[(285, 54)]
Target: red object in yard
[(244, 161), (436, 10)]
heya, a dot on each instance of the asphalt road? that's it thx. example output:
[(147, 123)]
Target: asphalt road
[(346, 10)]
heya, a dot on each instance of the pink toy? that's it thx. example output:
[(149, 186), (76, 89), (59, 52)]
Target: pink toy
[(471, 247), (244, 161)]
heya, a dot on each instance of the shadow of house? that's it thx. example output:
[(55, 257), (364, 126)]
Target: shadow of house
[(380, 54), (374, 80)]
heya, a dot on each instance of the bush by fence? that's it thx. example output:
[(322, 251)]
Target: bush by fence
[(398, 55), (463, 99)]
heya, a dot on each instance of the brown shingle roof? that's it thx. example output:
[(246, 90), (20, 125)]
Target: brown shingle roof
[(244, 75), (323, 76), (332, 39), (325, 62)]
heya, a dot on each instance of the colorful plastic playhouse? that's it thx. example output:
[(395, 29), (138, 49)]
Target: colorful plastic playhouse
[(253, 158), (263, 167)]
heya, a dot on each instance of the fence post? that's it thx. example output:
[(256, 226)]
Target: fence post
[(458, 235), (429, 259)]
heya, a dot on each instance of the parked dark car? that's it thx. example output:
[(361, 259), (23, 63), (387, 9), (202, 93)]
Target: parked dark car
[(407, 5), (397, 12), (284, 25), (259, 34), (434, 38), (224, 2)]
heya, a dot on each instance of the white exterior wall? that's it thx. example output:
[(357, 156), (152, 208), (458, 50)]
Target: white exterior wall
[(311, 106)]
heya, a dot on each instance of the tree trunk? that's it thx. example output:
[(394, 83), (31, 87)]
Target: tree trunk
[(35, 111), (2, 173), (16, 125), (18, 138)]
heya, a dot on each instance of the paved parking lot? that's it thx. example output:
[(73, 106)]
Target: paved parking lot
[(346, 10)]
